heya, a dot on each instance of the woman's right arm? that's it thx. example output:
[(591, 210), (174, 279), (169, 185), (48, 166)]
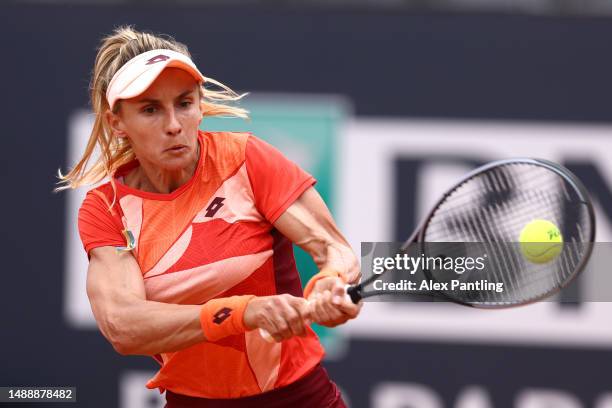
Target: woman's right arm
[(135, 325)]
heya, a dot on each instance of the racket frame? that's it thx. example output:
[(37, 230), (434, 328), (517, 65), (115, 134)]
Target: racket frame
[(355, 291)]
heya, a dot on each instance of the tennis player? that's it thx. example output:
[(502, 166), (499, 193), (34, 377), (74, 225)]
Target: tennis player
[(190, 240)]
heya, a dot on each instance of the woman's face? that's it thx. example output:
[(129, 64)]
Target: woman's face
[(162, 123)]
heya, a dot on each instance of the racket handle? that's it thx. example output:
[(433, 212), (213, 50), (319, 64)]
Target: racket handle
[(354, 292)]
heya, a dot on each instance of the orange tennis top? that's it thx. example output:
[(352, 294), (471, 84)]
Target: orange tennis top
[(213, 237)]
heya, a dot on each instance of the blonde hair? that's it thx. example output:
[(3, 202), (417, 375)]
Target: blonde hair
[(115, 50)]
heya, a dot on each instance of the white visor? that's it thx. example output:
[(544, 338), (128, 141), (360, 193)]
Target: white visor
[(137, 75)]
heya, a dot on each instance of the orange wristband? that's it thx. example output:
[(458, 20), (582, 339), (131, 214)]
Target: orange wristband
[(223, 317), (324, 273)]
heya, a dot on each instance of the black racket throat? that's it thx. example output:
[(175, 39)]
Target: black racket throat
[(355, 293)]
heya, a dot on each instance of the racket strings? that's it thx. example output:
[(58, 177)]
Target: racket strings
[(509, 255), (522, 203), (480, 194), (503, 259), (500, 273), (515, 219), (518, 177), (494, 207)]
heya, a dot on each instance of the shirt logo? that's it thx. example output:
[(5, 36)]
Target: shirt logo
[(157, 58), (222, 315), (214, 206)]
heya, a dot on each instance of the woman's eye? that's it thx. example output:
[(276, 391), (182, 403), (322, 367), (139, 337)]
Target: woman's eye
[(186, 104), (149, 110)]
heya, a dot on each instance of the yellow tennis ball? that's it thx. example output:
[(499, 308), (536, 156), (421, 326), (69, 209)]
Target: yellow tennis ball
[(541, 241)]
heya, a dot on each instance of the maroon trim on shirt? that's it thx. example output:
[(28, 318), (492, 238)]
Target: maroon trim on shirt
[(315, 389), (286, 276)]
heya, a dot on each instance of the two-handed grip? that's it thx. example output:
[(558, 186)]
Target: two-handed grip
[(350, 294)]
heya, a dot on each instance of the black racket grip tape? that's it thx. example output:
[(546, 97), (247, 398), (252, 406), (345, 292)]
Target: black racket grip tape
[(354, 293)]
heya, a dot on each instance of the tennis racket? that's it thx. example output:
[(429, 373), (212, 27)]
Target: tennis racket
[(486, 210)]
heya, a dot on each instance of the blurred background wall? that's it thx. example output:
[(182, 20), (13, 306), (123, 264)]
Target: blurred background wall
[(364, 95)]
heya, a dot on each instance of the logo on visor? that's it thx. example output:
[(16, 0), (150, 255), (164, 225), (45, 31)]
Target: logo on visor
[(157, 58)]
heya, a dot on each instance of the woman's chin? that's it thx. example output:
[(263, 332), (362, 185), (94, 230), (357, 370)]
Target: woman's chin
[(175, 164)]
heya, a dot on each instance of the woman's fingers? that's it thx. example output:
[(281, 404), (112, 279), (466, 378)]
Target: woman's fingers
[(317, 309), (281, 316), (323, 309), (341, 300), (285, 316), (332, 307), (300, 319)]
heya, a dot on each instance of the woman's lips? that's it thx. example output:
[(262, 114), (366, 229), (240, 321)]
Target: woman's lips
[(177, 148)]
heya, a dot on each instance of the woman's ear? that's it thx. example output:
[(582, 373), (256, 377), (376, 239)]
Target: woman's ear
[(115, 124)]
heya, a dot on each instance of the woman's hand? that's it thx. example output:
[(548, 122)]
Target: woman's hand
[(330, 305), (282, 316)]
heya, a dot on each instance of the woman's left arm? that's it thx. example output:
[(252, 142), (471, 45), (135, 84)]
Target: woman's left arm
[(309, 224)]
